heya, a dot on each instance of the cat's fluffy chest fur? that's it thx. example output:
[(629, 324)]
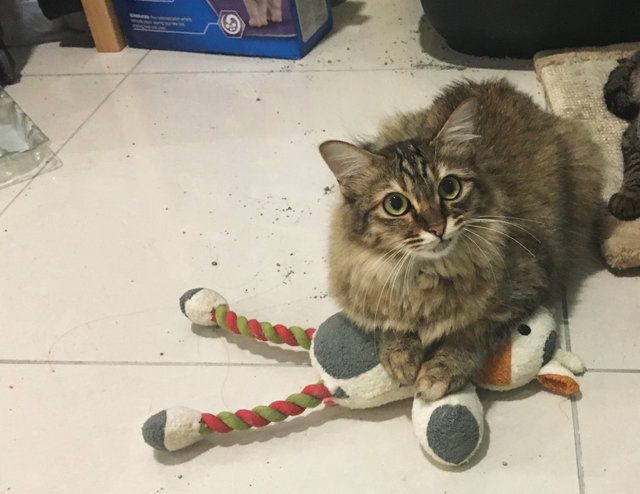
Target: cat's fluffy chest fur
[(376, 292)]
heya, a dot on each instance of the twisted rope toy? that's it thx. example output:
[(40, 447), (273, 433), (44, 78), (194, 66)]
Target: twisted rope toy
[(310, 397), (262, 331)]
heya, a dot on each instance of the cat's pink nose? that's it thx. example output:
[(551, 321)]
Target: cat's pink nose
[(437, 230)]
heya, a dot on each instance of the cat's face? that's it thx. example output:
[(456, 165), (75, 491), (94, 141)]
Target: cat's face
[(413, 196)]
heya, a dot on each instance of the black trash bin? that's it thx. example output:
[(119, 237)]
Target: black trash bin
[(520, 28)]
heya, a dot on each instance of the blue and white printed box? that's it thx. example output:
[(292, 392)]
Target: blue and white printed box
[(266, 28)]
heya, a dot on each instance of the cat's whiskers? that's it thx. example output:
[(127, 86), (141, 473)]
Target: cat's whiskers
[(486, 256), (487, 219), (409, 269), (515, 218), (481, 250), (396, 251), (373, 270), (392, 286), (396, 269), (470, 225), (494, 248)]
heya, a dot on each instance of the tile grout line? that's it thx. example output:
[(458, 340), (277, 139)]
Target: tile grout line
[(14, 198), (565, 320), (125, 363), (211, 364), (578, 445), (436, 66), (74, 133), (577, 442), (104, 100), (73, 74), (304, 71), (615, 371)]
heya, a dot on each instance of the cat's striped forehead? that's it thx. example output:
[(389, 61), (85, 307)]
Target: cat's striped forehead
[(415, 168)]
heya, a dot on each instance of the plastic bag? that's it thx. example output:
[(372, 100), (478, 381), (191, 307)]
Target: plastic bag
[(24, 149)]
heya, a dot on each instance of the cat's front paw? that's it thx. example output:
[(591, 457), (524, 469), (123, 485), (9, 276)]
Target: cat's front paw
[(624, 206), (435, 379), (402, 366), (401, 356)]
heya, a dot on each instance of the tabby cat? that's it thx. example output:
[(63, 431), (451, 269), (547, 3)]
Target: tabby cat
[(452, 225), (622, 96)]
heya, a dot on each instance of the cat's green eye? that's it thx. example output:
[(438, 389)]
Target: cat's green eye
[(449, 188), (396, 204)]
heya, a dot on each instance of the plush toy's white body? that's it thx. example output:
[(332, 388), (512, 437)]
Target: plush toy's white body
[(347, 361), (450, 430)]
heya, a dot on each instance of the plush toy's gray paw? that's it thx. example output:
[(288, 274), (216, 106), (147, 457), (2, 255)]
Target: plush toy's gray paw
[(451, 429), (186, 296), (153, 430), (342, 349), (172, 429), (453, 433), (198, 303)]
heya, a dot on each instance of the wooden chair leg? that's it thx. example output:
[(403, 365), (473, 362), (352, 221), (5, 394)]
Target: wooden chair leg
[(104, 24)]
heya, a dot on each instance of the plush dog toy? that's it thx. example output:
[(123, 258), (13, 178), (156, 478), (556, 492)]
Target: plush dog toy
[(450, 430)]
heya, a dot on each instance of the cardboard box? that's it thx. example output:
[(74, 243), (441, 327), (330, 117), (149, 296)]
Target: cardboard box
[(267, 28)]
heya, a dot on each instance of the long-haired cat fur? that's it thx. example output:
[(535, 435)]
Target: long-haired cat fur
[(454, 222)]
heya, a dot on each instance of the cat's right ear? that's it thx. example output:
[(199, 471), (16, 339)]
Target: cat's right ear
[(348, 163), (459, 127)]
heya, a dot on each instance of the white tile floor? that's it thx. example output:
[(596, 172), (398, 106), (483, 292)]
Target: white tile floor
[(184, 170)]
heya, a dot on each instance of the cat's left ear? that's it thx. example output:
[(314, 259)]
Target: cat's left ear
[(460, 126)]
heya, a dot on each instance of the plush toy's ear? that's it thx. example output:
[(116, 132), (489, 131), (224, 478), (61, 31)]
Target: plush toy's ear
[(349, 163), (460, 127)]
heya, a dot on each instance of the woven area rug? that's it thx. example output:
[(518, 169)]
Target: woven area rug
[(573, 81)]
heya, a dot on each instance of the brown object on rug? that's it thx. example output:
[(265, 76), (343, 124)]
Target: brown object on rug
[(573, 82)]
